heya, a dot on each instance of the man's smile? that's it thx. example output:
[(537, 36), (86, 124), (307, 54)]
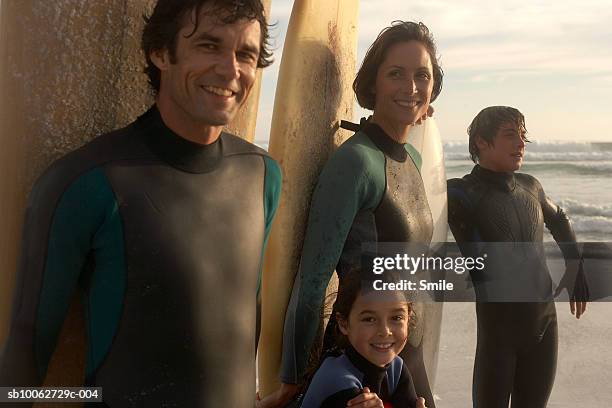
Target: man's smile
[(219, 91)]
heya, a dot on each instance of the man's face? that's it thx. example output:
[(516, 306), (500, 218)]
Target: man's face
[(505, 153), (213, 72)]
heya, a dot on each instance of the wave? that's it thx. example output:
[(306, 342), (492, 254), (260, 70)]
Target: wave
[(585, 224), (545, 151), (539, 168), (573, 207), (544, 156), (584, 169)]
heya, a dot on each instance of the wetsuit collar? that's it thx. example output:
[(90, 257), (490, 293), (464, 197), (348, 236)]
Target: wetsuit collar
[(504, 181), (374, 377), (175, 150), (396, 151)]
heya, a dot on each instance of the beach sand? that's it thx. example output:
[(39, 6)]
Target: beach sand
[(584, 368)]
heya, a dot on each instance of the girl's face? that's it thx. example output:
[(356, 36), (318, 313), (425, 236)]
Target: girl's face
[(404, 83), (377, 326)]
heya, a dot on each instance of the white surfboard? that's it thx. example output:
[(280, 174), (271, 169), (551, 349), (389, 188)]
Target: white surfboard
[(426, 139)]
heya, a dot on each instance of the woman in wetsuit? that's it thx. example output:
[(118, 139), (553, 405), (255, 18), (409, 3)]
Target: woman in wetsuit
[(516, 352), (369, 191)]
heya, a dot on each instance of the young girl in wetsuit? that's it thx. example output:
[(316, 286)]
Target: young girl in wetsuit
[(372, 330)]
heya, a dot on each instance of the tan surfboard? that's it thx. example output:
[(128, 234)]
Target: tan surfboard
[(80, 76), (312, 96)]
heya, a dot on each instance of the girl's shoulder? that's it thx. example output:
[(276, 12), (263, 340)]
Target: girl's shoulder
[(335, 374)]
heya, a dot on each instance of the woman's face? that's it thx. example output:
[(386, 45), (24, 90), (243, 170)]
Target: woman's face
[(377, 326), (404, 83)]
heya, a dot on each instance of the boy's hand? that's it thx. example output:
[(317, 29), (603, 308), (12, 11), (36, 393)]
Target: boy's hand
[(574, 281), (366, 399), (421, 403)]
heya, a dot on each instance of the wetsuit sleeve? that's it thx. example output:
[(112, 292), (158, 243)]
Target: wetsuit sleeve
[(459, 212), (59, 233), (405, 394), (560, 227), (352, 180), (341, 398)]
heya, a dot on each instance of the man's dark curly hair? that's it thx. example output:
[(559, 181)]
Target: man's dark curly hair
[(399, 31), (488, 121), (163, 25)]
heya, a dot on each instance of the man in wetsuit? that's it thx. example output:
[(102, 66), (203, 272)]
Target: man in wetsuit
[(161, 225), (516, 350)]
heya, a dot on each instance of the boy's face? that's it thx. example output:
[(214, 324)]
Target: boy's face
[(505, 153)]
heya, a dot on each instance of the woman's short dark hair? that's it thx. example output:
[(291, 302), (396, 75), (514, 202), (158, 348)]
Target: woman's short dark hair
[(162, 27), (486, 124), (399, 31)]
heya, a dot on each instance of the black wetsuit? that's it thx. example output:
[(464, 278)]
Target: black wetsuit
[(342, 378), (369, 191), (517, 341), (164, 238)]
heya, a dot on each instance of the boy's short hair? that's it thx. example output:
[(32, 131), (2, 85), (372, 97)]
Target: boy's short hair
[(486, 124)]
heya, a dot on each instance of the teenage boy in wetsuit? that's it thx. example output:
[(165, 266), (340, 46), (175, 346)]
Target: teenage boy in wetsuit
[(161, 225), (516, 351)]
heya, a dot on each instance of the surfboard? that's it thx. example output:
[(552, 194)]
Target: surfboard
[(426, 140), (60, 87), (312, 96)]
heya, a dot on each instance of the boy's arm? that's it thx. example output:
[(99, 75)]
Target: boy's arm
[(460, 217), (560, 226)]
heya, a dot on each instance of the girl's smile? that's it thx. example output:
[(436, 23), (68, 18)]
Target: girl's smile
[(377, 326)]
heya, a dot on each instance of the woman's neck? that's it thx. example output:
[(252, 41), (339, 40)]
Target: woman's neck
[(395, 130)]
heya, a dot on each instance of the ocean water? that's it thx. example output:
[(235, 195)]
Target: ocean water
[(576, 176)]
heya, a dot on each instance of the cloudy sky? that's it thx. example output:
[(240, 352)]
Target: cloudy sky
[(551, 59)]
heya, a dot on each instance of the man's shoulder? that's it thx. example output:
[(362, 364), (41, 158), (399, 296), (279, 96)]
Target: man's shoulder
[(115, 145), (234, 145)]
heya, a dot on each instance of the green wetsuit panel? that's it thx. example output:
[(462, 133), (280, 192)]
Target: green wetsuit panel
[(86, 231), (353, 180), (272, 190)]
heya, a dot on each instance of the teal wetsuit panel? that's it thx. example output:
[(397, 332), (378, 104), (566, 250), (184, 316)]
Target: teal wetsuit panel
[(272, 191), (415, 156), (353, 180), (86, 230)]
